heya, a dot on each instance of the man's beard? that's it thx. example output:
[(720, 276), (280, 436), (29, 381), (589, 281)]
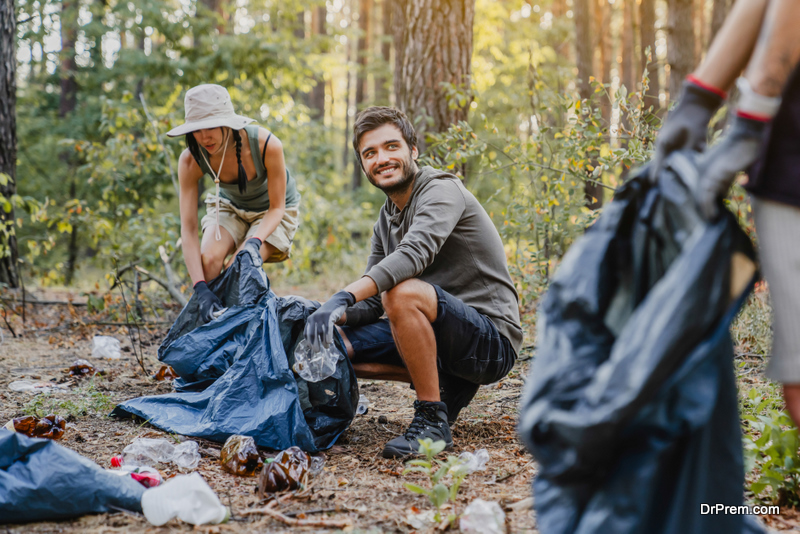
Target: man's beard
[(409, 170)]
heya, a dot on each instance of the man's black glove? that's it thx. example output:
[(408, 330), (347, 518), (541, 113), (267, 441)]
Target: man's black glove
[(718, 167), (686, 126), (319, 326), (208, 302)]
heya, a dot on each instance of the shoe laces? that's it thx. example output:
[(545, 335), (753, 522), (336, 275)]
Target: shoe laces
[(424, 416)]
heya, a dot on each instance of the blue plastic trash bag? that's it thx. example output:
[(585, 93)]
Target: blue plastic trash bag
[(42, 481), (236, 371), (631, 406)]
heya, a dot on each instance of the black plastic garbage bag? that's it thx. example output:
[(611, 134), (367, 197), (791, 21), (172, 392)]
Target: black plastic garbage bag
[(236, 371), (41, 481), (631, 406)]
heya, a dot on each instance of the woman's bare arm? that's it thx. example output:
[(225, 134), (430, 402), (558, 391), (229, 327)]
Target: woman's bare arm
[(189, 175)]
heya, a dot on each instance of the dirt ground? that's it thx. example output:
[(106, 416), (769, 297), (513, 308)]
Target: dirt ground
[(356, 483)]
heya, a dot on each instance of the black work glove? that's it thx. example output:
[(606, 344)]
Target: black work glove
[(686, 126), (718, 167), (319, 326), (253, 247), (208, 302)]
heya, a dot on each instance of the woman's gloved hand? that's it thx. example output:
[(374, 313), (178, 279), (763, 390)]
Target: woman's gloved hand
[(208, 301)]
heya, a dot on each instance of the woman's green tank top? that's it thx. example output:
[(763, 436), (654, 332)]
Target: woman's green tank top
[(256, 198)]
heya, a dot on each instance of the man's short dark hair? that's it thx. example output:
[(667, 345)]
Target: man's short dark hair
[(375, 117)]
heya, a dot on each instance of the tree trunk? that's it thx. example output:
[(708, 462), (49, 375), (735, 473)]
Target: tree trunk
[(583, 45), (647, 29), (8, 140), (680, 44), (362, 51), (628, 78), (66, 106), (215, 7), (603, 46), (699, 30), (316, 101), (433, 48), (718, 14), (381, 81)]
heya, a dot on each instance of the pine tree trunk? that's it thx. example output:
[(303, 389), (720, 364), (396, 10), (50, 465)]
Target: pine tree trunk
[(680, 44), (628, 78), (381, 81), (316, 101), (66, 106), (647, 29), (433, 48), (603, 46), (215, 7), (362, 51), (8, 140), (582, 10), (699, 30)]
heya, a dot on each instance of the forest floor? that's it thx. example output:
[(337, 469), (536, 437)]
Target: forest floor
[(356, 483)]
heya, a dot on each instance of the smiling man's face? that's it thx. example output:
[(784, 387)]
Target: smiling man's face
[(388, 161)]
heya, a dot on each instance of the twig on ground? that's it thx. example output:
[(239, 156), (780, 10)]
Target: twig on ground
[(314, 511), (5, 319), (269, 511), (518, 471), (140, 355)]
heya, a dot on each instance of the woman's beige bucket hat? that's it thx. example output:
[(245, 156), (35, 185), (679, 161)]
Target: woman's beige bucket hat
[(209, 106)]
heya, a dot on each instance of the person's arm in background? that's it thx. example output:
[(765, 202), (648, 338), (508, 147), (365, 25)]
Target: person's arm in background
[(189, 175), (775, 57), (686, 126)]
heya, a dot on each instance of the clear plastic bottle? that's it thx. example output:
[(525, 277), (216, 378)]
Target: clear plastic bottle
[(363, 405), (314, 366), (143, 451)]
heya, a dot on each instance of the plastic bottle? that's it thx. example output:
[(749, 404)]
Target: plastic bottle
[(482, 517), (240, 456), (50, 426), (186, 497), (314, 366), (363, 405), (149, 450), (289, 471), (105, 347), (165, 373)]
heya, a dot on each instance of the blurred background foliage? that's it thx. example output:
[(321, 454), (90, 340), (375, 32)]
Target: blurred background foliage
[(539, 135)]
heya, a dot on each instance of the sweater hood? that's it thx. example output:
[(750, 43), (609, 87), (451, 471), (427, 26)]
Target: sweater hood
[(423, 178)]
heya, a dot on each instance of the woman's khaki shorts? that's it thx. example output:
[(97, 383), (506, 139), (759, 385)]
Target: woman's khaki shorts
[(242, 225)]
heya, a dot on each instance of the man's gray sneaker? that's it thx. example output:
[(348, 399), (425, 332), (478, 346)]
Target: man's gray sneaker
[(430, 421)]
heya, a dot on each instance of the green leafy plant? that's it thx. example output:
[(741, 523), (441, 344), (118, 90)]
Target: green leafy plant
[(772, 448), (436, 470)]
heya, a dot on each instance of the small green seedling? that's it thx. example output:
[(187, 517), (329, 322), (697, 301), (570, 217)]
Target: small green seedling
[(439, 493)]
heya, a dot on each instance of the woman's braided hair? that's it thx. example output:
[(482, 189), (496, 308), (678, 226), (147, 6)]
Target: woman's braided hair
[(242, 173), (194, 149)]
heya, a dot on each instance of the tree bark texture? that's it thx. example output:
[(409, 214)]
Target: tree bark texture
[(582, 11), (8, 136), (215, 7), (69, 87), (680, 44), (647, 29), (699, 30), (381, 81), (316, 100), (628, 78), (362, 52), (433, 47), (602, 43)]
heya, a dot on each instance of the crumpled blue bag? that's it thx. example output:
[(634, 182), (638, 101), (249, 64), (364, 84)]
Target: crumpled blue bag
[(42, 481), (236, 371), (631, 407)]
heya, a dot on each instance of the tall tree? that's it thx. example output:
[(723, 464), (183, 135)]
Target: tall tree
[(647, 29), (66, 107), (699, 30), (582, 10), (362, 53), (433, 49), (215, 7), (628, 78), (381, 81), (8, 140), (680, 44), (316, 100), (602, 16)]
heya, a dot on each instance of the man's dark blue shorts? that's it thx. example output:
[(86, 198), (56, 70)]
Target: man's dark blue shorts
[(468, 344)]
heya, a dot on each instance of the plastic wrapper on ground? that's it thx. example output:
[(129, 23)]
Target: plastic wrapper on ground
[(631, 407)]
